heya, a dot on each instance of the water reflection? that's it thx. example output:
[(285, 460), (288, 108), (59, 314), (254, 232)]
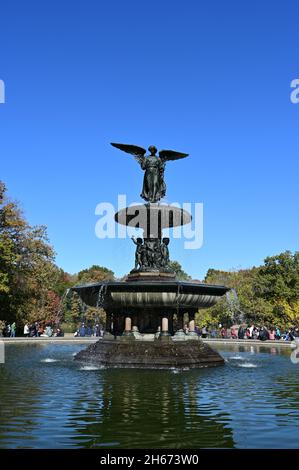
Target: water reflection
[(50, 401), (148, 409)]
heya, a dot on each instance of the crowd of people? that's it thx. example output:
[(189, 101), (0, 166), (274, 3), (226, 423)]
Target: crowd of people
[(31, 330), (88, 330), (242, 331), (9, 330), (38, 329), (249, 332)]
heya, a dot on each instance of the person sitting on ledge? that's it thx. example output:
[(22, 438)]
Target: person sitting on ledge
[(289, 336), (48, 332), (272, 334), (264, 335), (59, 333), (223, 333), (234, 333), (277, 333), (40, 330)]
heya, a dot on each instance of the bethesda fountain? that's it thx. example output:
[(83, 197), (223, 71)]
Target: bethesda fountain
[(146, 313)]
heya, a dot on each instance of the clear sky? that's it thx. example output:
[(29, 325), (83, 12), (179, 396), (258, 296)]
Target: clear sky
[(208, 78)]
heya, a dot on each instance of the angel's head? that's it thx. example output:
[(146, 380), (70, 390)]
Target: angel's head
[(153, 150)]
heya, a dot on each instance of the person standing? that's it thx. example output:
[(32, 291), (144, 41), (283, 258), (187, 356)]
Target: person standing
[(13, 330), (82, 330), (26, 330), (97, 330), (204, 332), (241, 332), (32, 330)]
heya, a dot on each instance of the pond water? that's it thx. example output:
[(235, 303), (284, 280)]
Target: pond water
[(47, 400)]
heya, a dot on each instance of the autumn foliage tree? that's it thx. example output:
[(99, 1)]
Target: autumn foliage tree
[(27, 269)]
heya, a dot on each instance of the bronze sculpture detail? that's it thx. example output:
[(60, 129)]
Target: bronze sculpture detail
[(151, 254)]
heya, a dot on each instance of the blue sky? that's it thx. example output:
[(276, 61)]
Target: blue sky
[(208, 78)]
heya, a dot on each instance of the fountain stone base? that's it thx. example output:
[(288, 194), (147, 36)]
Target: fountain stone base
[(158, 354)]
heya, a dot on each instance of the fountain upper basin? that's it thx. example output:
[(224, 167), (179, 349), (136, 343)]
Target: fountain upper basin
[(148, 294), (152, 218)]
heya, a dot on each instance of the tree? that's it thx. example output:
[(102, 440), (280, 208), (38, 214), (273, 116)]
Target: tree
[(288, 313), (12, 227), (64, 282), (267, 294), (95, 315), (278, 279), (95, 274), (27, 269), (180, 273)]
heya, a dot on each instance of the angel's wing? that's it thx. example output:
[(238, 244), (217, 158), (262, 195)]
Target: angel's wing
[(132, 149), (171, 155)]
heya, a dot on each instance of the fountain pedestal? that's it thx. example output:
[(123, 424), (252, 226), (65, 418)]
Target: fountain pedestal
[(158, 354)]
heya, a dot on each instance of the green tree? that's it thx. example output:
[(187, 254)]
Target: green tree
[(267, 294), (74, 314), (95, 274), (278, 279), (180, 273)]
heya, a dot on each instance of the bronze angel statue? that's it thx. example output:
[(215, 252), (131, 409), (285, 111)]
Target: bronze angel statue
[(154, 187)]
